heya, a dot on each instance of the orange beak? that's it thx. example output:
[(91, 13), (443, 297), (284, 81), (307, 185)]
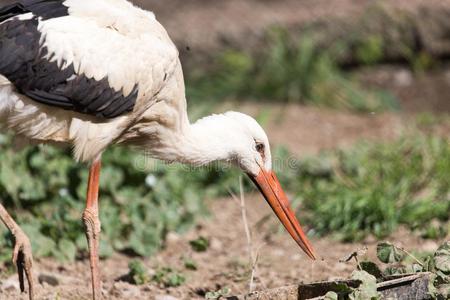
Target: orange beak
[(270, 187)]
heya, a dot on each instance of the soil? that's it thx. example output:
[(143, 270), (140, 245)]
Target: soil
[(417, 92), (226, 262), (207, 26)]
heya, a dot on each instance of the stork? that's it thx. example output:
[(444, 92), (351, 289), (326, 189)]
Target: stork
[(92, 73)]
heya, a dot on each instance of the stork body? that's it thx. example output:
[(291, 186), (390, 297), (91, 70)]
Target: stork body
[(91, 73)]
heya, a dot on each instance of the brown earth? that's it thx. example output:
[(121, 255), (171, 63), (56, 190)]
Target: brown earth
[(206, 27), (225, 263), (418, 92)]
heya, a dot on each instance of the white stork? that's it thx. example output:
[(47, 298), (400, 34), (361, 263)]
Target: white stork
[(91, 73)]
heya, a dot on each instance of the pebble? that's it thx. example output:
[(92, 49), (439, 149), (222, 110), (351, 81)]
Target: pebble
[(172, 238), (403, 78), (216, 244), (429, 246), (48, 278), (125, 290)]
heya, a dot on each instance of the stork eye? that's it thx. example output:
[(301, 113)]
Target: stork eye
[(260, 148)]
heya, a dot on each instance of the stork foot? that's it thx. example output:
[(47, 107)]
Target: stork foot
[(23, 259)]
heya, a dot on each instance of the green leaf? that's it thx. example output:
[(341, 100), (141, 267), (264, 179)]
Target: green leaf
[(388, 253), (218, 294), (138, 272), (169, 277), (367, 289), (106, 250), (42, 245), (190, 264), (200, 245), (442, 258), (67, 249), (330, 296), (175, 279)]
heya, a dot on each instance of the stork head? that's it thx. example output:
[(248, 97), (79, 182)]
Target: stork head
[(252, 155)]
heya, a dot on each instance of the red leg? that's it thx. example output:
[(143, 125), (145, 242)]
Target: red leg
[(22, 256), (92, 223)]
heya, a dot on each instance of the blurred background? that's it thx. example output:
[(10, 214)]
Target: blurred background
[(355, 97)]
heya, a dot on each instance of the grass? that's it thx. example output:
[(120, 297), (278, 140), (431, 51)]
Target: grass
[(374, 188), (288, 71), (370, 189)]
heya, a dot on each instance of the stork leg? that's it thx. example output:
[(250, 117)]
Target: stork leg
[(92, 223), (22, 256)]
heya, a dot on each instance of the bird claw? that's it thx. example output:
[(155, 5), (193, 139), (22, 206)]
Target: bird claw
[(23, 259)]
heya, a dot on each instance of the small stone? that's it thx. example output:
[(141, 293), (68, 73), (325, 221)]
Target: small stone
[(172, 238), (125, 290), (403, 78), (49, 279), (216, 244), (165, 297), (429, 246)]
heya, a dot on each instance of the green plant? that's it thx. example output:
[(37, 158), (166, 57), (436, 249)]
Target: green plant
[(398, 261), (140, 199), (200, 244), (370, 49), (290, 71), (222, 293), (373, 188), (369, 189), (138, 272), (190, 264), (169, 277)]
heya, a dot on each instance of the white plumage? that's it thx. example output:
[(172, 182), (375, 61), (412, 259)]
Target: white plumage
[(101, 38)]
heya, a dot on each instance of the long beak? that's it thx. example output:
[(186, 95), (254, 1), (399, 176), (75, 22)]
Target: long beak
[(270, 187)]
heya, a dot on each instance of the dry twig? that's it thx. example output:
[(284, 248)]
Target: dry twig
[(252, 257)]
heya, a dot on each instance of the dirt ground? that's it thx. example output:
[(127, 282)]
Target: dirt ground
[(225, 263), (206, 26)]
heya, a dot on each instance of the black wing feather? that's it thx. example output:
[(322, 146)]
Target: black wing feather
[(26, 64)]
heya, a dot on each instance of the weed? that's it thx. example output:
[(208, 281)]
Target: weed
[(190, 264), (398, 261), (138, 272), (370, 50), (290, 71), (169, 277), (200, 244), (222, 293), (375, 187)]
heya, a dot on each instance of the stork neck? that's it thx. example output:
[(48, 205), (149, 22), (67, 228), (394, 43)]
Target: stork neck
[(207, 140)]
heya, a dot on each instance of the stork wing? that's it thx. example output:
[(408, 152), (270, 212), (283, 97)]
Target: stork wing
[(93, 59)]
